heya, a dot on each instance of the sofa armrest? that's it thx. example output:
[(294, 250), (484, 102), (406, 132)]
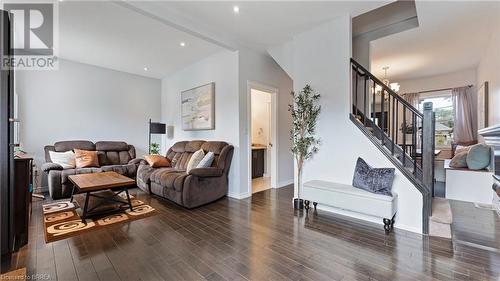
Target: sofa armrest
[(46, 167), (206, 172), (138, 161)]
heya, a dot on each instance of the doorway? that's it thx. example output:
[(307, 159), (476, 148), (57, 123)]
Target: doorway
[(262, 138)]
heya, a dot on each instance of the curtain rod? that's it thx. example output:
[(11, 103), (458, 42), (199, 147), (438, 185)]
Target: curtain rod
[(437, 90)]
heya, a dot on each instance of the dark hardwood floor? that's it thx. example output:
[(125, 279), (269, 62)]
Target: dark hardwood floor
[(474, 226), (261, 238)]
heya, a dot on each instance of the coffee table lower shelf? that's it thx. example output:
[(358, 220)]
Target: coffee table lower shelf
[(103, 202)]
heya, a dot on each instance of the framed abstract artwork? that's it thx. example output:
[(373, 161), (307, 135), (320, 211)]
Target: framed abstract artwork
[(482, 106), (198, 108)]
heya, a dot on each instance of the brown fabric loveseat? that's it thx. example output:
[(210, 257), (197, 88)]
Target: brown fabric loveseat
[(114, 156), (200, 186)]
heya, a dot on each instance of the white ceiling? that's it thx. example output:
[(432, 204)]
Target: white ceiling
[(259, 24), (109, 35), (130, 35), (451, 36)]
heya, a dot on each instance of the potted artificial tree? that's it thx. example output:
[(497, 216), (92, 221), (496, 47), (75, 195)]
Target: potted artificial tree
[(305, 112)]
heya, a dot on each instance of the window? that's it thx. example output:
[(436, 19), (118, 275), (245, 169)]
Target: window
[(443, 107)]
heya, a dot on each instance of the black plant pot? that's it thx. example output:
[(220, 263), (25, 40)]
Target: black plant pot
[(298, 204)]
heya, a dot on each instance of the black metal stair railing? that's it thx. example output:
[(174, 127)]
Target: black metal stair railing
[(403, 133)]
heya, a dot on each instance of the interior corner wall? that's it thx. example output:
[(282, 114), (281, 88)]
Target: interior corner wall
[(81, 101), (321, 59), (221, 68), (489, 70), (261, 68)]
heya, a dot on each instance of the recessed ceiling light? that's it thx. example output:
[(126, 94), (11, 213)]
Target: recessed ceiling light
[(183, 44), (236, 9), (146, 69)]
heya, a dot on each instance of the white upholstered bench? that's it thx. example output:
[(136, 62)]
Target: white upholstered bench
[(347, 197)]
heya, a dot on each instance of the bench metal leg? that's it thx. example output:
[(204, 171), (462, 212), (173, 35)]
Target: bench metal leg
[(306, 204), (389, 224), (315, 204)]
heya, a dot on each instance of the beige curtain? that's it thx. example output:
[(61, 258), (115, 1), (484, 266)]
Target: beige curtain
[(411, 98), (463, 118)]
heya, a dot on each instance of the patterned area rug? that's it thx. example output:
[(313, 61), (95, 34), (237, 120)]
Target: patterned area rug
[(62, 219)]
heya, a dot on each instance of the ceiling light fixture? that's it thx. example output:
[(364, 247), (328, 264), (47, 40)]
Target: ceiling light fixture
[(236, 9), (146, 69), (393, 86), (183, 44)]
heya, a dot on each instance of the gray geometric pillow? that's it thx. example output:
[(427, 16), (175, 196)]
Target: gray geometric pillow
[(375, 180)]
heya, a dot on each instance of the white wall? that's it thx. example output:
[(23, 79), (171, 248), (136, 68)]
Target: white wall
[(261, 68), (221, 68), (489, 70), (443, 81), (81, 101), (448, 80), (324, 65), (261, 102), (231, 72), (261, 124)]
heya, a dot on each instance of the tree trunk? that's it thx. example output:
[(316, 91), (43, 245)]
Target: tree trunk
[(299, 182)]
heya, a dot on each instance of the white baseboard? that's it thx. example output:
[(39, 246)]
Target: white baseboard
[(285, 183), (239, 195), (367, 218)]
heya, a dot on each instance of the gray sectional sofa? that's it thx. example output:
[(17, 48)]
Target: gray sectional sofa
[(113, 156), (198, 187)]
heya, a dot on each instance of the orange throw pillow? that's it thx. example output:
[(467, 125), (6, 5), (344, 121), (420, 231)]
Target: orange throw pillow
[(157, 161), (86, 158)]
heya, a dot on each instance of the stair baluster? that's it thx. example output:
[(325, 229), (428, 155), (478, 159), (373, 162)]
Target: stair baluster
[(415, 159)]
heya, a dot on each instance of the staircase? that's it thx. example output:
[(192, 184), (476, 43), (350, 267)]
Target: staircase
[(400, 131)]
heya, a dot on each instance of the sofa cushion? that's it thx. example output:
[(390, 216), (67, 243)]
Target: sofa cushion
[(207, 160), (193, 146), (195, 160), (144, 172), (170, 179), (65, 159), (179, 146), (77, 171), (157, 161), (479, 157), (128, 170), (459, 160), (375, 180), (181, 160), (214, 146), (111, 146), (86, 158), (114, 152), (46, 167), (62, 146)]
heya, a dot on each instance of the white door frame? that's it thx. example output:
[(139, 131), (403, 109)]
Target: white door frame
[(274, 108)]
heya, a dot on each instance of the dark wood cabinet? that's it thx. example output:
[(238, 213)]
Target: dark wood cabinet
[(258, 163), (21, 200)]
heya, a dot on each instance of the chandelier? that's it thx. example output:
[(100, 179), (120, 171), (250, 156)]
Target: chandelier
[(394, 86)]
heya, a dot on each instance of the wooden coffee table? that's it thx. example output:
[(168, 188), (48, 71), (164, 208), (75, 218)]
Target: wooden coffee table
[(93, 184)]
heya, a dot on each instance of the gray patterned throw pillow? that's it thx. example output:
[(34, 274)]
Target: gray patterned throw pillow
[(375, 180)]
